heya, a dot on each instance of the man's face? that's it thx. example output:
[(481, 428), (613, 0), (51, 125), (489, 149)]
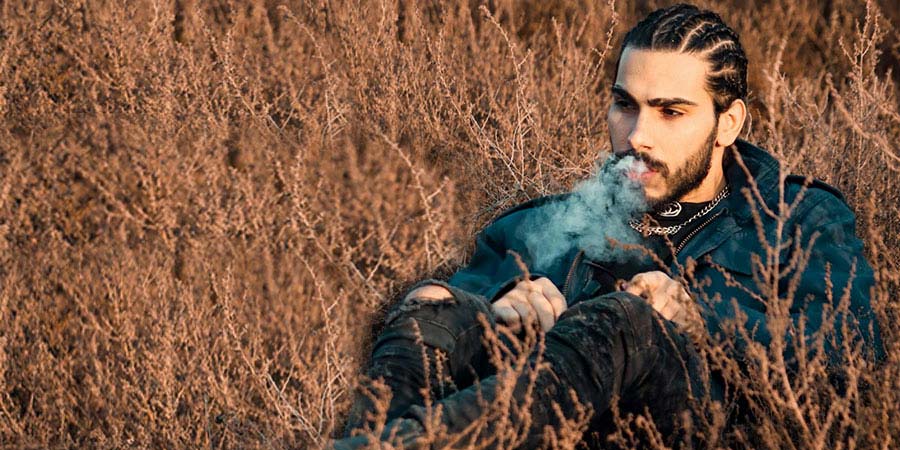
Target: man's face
[(662, 114)]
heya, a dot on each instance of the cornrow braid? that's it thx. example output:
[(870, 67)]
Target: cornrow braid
[(688, 29)]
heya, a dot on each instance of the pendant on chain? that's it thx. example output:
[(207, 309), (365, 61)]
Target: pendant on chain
[(672, 210)]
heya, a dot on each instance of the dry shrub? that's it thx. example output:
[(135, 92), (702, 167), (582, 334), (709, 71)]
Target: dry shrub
[(205, 204)]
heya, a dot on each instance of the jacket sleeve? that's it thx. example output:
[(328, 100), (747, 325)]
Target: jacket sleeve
[(493, 268), (836, 271)]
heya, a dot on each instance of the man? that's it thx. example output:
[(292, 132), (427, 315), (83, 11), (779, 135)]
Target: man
[(624, 329)]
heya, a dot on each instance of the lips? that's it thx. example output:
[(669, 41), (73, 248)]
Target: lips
[(639, 172), (641, 176)]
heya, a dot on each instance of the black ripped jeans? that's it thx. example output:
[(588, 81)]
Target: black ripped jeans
[(612, 345)]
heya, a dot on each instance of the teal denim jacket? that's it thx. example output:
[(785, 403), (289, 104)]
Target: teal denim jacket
[(725, 255)]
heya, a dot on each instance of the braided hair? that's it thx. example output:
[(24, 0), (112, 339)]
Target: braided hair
[(686, 28)]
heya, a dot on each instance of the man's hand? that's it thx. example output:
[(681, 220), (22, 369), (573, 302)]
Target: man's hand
[(667, 296), (530, 300)]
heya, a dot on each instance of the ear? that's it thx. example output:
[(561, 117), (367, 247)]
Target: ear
[(730, 123)]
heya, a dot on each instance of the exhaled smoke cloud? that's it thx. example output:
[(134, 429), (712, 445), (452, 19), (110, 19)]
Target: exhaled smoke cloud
[(597, 210)]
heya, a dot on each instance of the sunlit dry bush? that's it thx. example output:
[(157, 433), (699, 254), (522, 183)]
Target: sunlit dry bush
[(206, 204)]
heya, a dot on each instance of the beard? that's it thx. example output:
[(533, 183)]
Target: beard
[(686, 178)]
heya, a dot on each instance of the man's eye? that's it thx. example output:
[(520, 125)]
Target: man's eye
[(672, 112), (623, 104)]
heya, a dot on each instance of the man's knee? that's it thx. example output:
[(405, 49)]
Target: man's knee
[(438, 322), (430, 292), (618, 303), (616, 311), (433, 301)]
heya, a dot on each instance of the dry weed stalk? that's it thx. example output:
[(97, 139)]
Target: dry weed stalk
[(201, 203)]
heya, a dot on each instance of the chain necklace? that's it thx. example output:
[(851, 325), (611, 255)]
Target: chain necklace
[(647, 230)]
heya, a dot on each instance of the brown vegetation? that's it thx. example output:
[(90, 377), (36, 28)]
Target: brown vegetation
[(204, 203)]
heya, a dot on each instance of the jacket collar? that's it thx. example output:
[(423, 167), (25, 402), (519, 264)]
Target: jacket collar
[(763, 170), (759, 168)]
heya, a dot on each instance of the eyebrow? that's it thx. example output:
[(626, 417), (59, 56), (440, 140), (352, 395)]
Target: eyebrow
[(654, 102)]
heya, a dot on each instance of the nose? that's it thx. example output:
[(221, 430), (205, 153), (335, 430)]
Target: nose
[(640, 137)]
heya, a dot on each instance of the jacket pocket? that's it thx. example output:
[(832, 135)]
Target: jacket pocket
[(582, 281), (735, 256), (730, 276)]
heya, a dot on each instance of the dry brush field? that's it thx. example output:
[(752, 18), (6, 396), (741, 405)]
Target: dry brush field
[(205, 205)]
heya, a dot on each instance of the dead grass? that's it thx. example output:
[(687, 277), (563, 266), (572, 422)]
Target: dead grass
[(203, 204)]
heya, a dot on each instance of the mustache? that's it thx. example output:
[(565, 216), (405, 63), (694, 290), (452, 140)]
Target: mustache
[(651, 163)]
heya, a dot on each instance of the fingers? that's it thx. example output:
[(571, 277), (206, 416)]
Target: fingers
[(528, 301), (635, 288), (638, 286), (649, 281), (555, 297), (667, 296), (541, 305), (506, 314), (670, 310), (523, 307), (664, 294), (514, 309), (682, 304)]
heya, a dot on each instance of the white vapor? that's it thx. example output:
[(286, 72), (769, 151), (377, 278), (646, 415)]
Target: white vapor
[(597, 210)]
